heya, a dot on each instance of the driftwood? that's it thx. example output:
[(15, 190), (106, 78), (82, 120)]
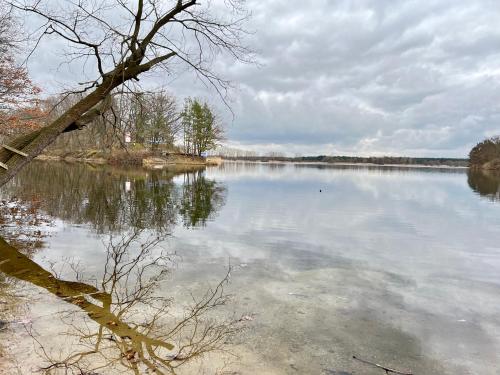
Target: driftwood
[(386, 369)]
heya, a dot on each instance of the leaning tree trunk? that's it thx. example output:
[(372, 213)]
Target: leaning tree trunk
[(20, 143), (78, 115), (35, 142)]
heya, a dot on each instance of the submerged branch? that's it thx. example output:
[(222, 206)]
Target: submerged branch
[(386, 369)]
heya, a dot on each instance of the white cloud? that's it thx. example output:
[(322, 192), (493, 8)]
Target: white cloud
[(362, 76)]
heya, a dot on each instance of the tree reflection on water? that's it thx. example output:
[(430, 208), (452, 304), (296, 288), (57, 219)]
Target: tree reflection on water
[(485, 183), (124, 323), (114, 200), (127, 325)]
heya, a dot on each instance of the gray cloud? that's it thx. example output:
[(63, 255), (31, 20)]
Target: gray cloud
[(363, 77)]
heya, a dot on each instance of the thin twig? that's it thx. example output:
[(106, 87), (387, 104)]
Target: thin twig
[(386, 369)]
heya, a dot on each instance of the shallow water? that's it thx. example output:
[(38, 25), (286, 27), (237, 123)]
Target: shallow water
[(399, 267)]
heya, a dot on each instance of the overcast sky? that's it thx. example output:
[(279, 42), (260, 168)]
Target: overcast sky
[(367, 77)]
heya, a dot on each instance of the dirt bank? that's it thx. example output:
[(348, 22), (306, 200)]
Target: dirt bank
[(148, 159)]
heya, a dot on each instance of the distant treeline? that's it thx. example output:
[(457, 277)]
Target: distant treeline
[(383, 160)]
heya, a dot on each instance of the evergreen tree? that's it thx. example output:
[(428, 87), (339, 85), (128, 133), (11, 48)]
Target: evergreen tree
[(202, 132)]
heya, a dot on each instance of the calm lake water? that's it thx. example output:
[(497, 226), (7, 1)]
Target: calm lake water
[(249, 269)]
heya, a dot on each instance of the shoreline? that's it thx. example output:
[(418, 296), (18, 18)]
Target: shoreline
[(150, 161), (147, 161)]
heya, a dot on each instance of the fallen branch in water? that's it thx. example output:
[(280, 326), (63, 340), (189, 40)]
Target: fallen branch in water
[(386, 369)]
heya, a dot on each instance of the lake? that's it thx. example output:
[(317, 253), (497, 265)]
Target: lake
[(250, 268)]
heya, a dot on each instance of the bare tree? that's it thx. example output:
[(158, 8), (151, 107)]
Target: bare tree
[(17, 93), (125, 42), (6, 29), (152, 118), (102, 132), (164, 124)]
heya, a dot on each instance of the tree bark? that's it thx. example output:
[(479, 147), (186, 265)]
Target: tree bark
[(80, 114)]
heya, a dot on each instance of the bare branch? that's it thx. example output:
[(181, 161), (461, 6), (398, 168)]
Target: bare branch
[(125, 45)]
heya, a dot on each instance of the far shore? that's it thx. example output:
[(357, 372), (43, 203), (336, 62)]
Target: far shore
[(352, 164)]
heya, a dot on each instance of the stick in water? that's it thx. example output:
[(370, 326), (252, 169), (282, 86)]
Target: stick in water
[(386, 369)]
